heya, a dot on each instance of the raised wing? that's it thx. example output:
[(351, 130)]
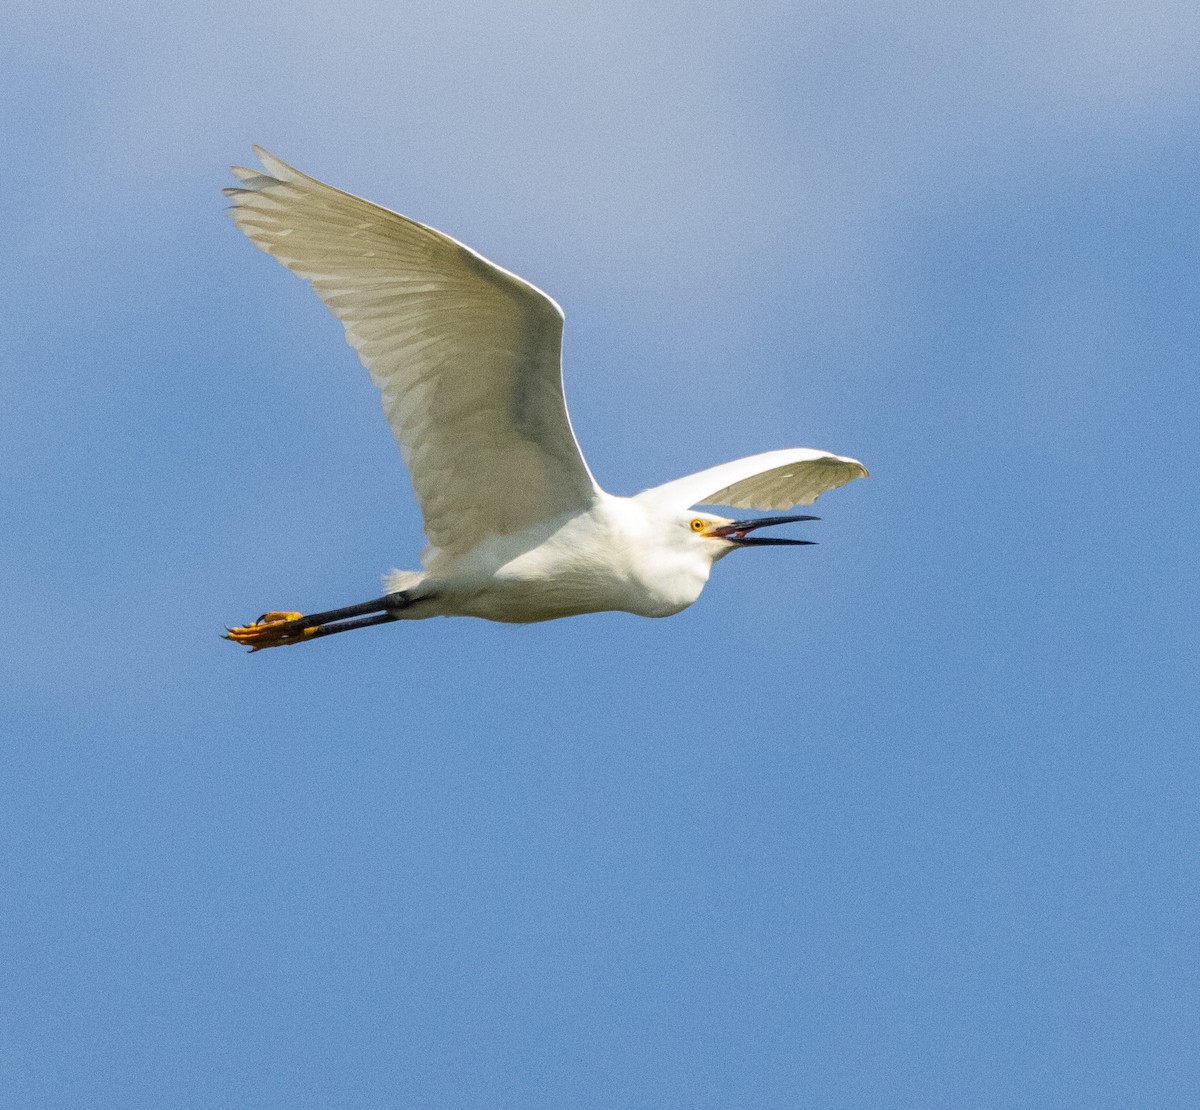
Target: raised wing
[(467, 355), (772, 480)]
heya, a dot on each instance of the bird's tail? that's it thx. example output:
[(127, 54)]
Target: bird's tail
[(396, 580)]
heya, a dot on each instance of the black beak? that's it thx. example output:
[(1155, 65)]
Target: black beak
[(737, 532)]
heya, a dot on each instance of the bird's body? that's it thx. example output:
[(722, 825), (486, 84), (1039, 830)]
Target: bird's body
[(467, 357), (613, 556)]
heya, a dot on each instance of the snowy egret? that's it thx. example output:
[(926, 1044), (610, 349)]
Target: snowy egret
[(467, 356)]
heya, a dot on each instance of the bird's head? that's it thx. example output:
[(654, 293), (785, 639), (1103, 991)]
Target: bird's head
[(717, 536)]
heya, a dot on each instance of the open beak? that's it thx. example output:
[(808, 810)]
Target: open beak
[(737, 532)]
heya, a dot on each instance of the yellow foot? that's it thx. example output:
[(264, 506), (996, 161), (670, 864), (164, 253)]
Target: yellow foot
[(270, 630)]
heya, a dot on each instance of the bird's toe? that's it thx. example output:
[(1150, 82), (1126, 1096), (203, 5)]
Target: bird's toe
[(270, 630)]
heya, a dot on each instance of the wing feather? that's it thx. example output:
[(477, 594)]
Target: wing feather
[(467, 356), (772, 480)]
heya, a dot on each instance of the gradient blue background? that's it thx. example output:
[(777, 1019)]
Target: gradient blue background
[(908, 819)]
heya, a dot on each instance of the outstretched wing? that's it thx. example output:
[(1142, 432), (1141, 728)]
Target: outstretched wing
[(467, 355), (772, 480)]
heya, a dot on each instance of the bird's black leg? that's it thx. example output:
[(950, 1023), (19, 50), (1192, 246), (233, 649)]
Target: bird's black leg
[(346, 626), (276, 629), (397, 600)]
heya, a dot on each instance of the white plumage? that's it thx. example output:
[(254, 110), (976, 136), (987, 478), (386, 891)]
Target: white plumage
[(467, 357)]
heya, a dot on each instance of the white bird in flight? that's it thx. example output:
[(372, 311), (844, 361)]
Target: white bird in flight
[(468, 358)]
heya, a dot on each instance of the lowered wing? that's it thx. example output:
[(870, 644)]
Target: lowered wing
[(772, 480)]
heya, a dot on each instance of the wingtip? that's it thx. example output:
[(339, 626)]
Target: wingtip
[(853, 467), (276, 166)]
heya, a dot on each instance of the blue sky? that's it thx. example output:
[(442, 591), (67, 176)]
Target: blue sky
[(905, 819)]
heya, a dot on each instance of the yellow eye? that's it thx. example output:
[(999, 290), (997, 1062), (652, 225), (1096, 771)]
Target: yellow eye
[(699, 525)]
